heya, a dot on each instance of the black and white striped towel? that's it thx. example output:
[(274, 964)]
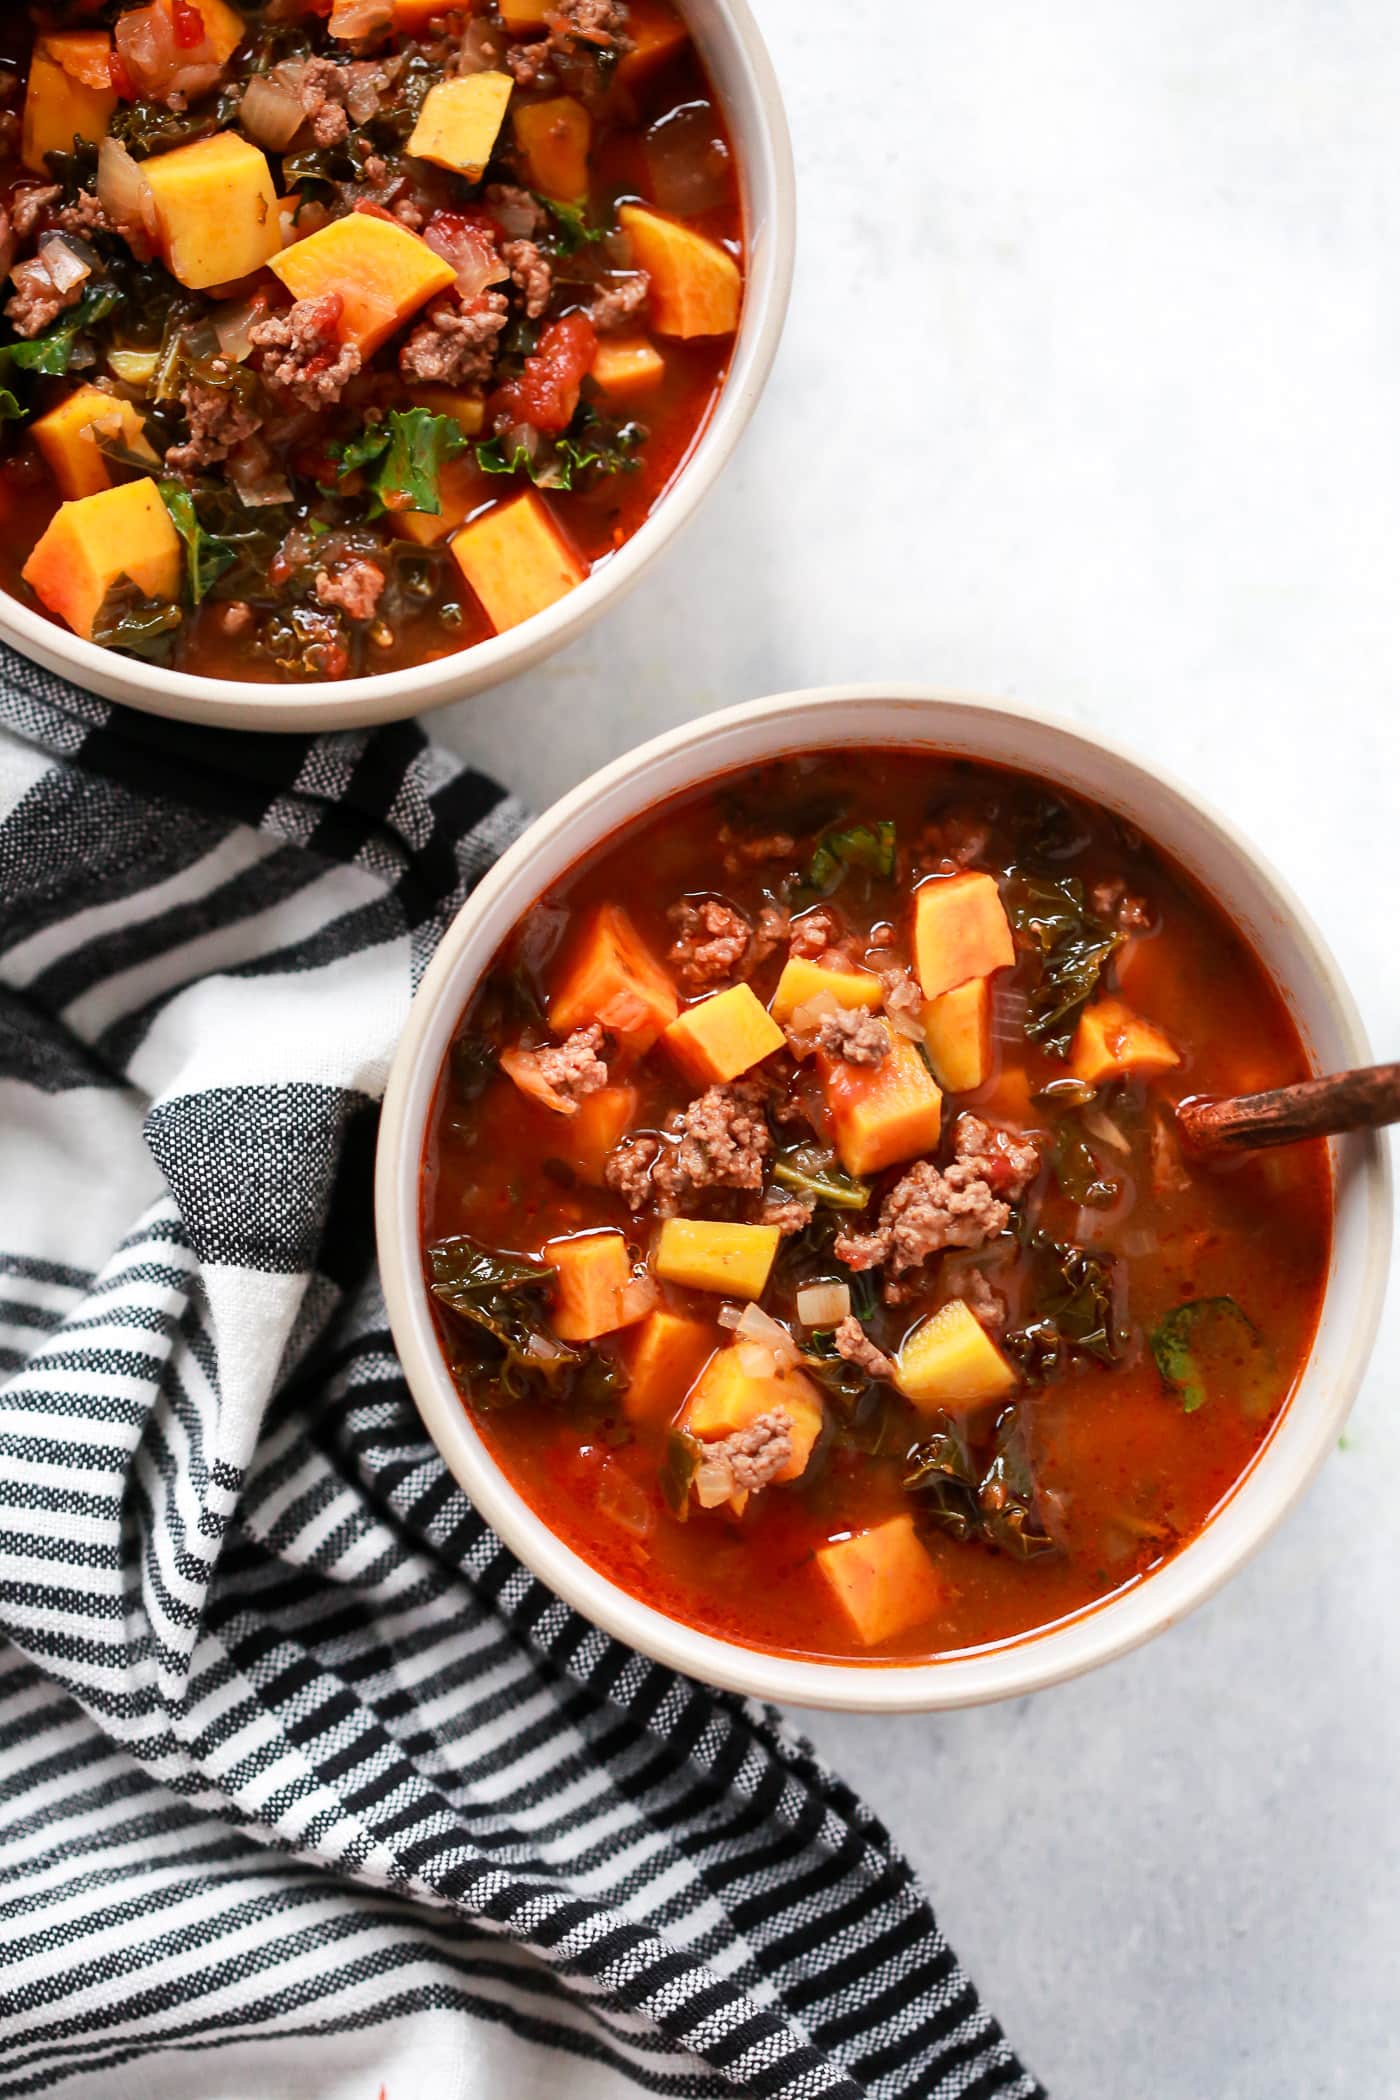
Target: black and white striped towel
[(298, 1768)]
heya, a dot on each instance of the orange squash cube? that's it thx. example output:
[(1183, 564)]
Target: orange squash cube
[(411, 15), (950, 1361), (695, 284), (722, 1036), (883, 1580), (92, 543), (705, 1254), (1111, 1041), (627, 365), (960, 930), (593, 1286), (67, 95), (882, 1114), (958, 1030), (217, 210), (460, 492), (554, 138), (459, 122), (1010, 1099), (600, 1121), (65, 437), (657, 33), (517, 561), (522, 15), (664, 1357), (611, 976), (467, 411), (802, 980), (727, 1399), (382, 272)]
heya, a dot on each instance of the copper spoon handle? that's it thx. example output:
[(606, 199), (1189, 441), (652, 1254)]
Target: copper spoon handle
[(1317, 1108)]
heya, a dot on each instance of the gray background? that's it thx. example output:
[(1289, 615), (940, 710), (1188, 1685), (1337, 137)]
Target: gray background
[(1091, 396)]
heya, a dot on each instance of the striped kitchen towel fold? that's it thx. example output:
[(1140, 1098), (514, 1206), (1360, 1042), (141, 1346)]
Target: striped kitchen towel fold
[(298, 1768)]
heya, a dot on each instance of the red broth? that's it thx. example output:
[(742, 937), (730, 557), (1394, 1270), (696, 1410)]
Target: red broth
[(1095, 1468)]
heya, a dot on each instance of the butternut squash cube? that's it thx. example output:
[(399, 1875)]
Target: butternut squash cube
[(412, 15), (707, 1256), (960, 930), (382, 272), (958, 1030), (1010, 1099), (728, 1399), (217, 210), (883, 1580), (802, 980), (599, 1122), (459, 493), (611, 976), (516, 560), (695, 284), (950, 1360), (467, 411), (64, 98), (554, 139), (882, 1114), (664, 1358), (92, 543), (459, 122), (520, 15), (224, 28), (627, 365), (65, 437), (593, 1286), (657, 33), (722, 1036), (1111, 1041)]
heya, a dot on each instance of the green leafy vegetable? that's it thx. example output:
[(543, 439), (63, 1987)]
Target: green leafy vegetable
[(678, 1470), (571, 228), (504, 1300), (1075, 947), (995, 1503), (1077, 1168), (868, 846), (145, 128), (471, 1063), (137, 625), (813, 1170), (1073, 1300), (206, 558), (402, 459), (599, 449), (1215, 1328), (52, 353)]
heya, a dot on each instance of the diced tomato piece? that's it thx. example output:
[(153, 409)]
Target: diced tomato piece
[(546, 393), (122, 82), (188, 23)]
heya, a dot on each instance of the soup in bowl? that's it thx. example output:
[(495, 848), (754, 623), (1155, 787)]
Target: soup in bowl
[(792, 1216)]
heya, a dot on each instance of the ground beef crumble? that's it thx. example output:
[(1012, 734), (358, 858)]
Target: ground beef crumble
[(720, 1141), (355, 588), (854, 1034), (954, 839), (789, 1213), (930, 1208), (531, 273), (855, 1345), (299, 351), (746, 851), (571, 1069), (751, 1457), (453, 346), (219, 419), (619, 303), (712, 940), (981, 1300), (1114, 903), (38, 301), (814, 933), (27, 207)]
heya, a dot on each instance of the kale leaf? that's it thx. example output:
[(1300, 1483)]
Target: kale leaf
[(1077, 1168), (137, 625), (812, 1170), (1073, 1299), (571, 229), (1213, 1326), (996, 1503), (1075, 948), (599, 448), (206, 558), (402, 459), (52, 353), (503, 1299), (868, 846), (678, 1470)]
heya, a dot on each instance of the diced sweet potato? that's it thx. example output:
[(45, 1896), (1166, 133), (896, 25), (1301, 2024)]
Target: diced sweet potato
[(521, 16), (882, 1114), (707, 1256), (459, 122), (1112, 1041), (611, 976), (883, 1580), (594, 1288), (664, 1358), (62, 104), (382, 272), (459, 493), (802, 980), (517, 561), (657, 33), (1010, 1099), (467, 411), (960, 930), (601, 1120), (84, 54), (626, 365), (224, 27), (217, 210), (124, 531), (951, 1361), (554, 138), (65, 437), (410, 16), (722, 1036), (958, 1030), (727, 1399), (695, 284)]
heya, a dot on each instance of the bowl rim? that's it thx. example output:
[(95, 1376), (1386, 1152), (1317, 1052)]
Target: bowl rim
[(1094, 1636), (769, 196)]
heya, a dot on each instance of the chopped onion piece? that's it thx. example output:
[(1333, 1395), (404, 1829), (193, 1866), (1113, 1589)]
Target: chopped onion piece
[(1009, 1004), (133, 367), (1100, 1125), (823, 1304), (755, 1361), (471, 252), (233, 324), (730, 1315), (356, 19), (638, 1298), (755, 1325), (543, 1349), (122, 189), (907, 1021), (271, 114), (63, 263), (713, 1483)]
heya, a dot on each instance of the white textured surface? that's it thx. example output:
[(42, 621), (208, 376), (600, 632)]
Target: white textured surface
[(1091, 395)]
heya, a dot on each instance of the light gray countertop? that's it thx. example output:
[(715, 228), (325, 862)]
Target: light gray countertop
[(1091, 396)]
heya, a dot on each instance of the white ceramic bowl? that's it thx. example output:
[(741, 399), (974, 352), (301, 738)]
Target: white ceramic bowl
[(729, 42), (1255, 899)]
